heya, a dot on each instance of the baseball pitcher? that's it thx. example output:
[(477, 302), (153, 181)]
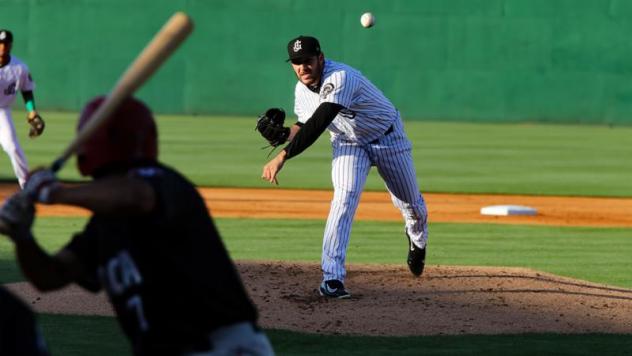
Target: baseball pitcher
[(366, 130)]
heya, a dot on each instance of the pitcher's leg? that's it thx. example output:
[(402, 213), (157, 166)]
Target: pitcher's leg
[(11, 145), (415, 215), (395, 165), (350, 167)]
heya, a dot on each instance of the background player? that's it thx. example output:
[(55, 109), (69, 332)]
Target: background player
[(150, 244), (366, 130), (14, 77)]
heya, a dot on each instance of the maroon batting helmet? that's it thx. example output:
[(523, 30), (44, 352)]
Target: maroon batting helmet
[(128, 137)]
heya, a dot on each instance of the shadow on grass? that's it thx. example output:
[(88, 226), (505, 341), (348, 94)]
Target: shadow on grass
[(10, 272)]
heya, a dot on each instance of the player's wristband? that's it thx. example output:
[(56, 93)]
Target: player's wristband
[(30, 105)]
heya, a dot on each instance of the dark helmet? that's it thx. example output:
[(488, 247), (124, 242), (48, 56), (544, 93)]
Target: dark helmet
[(128, 137)]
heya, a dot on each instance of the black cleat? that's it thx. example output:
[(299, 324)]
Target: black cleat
[(416, 258), (333, 288)]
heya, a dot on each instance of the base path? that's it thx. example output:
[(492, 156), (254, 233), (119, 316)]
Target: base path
[(314, 204), (462, 208)]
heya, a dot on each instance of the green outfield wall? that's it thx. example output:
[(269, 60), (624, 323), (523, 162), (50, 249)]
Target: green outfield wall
[(480, 60)]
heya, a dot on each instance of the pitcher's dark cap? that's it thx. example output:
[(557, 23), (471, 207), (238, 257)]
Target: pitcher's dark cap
[(303, 47), (6, 36)]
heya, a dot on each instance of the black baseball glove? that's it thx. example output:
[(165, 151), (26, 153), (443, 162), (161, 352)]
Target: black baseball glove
[(37, 125), (270, 126)]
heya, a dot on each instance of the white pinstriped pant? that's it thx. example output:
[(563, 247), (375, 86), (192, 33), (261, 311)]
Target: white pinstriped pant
[(10, 144), (350, 168)]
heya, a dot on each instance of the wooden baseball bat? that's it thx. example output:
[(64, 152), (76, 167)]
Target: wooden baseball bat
[(164, 43)]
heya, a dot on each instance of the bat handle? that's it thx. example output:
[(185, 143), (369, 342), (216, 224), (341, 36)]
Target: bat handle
[(57, 164)]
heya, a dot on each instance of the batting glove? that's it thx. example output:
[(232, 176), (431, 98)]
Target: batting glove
[(40, 184)]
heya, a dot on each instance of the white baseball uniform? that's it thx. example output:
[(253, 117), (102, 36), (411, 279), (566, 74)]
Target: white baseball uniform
[(14, 78), (368, 132)]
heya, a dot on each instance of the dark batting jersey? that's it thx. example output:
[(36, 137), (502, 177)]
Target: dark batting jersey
[(167, 273), (19, 332)]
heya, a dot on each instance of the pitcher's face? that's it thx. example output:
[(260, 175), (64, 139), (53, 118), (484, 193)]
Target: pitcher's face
[(309, 70)]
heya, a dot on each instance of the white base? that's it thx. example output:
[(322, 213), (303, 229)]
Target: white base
[(505, 210)]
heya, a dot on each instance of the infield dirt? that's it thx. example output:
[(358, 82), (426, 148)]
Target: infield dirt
[(462, 208)]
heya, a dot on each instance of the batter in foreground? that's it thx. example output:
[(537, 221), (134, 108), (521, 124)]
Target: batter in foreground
[(366, 130), (150, 244)]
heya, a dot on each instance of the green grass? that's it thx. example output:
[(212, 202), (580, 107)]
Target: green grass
[(73, 335), (101, 336), (450, 157), (596, 254), (52, 233), (288, 343)]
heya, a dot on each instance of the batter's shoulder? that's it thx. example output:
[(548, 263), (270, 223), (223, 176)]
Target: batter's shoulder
[(171, 177)]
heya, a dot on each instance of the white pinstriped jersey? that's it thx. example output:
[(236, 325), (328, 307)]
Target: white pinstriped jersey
[(14, 77), (367, 114)]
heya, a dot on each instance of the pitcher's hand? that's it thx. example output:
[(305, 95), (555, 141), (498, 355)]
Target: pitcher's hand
[(272, 168)]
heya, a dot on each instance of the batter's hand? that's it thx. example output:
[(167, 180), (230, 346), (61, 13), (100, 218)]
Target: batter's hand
[(37, 124), (272, 168), (40, 185)]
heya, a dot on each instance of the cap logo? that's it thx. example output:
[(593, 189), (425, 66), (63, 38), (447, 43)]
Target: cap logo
[(3, 35), (297, 46)]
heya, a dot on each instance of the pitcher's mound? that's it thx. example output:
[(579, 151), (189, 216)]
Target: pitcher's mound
[(388, 300)]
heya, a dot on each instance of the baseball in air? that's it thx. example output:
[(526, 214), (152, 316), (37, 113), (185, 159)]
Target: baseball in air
[(367, 20)]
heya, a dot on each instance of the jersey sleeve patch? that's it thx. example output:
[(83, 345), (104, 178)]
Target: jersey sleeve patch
[(338, 88), (327, 89)]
